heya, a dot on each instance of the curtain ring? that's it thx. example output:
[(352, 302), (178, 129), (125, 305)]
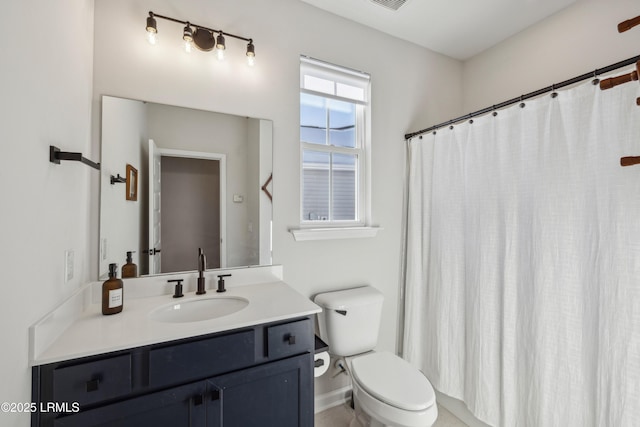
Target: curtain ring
[(495, 113), (595, 80), (553, 91), (522, 104)]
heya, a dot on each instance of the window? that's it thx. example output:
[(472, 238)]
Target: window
[(334, 104)]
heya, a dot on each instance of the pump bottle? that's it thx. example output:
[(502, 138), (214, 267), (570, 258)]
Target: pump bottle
[(112, 292), (129, 269)]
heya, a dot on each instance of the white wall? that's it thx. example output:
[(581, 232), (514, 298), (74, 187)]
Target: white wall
[(121, 225), (45, 82), (577, 40), (410, 87), (252, 195), (266, 203)]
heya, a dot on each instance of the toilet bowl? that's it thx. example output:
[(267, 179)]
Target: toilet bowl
[(387, 390)]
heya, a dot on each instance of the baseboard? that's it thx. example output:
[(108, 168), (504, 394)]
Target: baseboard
[(333, 398)]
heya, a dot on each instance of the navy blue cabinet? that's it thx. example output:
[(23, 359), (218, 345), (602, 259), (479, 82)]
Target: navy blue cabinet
[(257, 376), (178, 406), (267, 395)]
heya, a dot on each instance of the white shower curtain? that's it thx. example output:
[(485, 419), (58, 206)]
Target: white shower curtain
[(522, 293)]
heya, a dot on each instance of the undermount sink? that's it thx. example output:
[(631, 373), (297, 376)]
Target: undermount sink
[(196, 310)]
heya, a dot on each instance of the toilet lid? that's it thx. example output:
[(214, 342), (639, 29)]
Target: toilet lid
[(393, 380)]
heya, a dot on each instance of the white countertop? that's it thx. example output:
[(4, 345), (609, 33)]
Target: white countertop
[(92, 333)]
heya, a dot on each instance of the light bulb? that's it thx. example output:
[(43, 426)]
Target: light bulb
[(152, 37), (251, 53), (187, 36), (220, 47), (152, 29)]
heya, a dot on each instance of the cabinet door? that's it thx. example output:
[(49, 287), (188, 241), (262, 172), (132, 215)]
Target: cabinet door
[(277, 394), (175, 407)]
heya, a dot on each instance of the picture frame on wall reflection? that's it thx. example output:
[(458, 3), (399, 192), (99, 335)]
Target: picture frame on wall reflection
[(132, 183)]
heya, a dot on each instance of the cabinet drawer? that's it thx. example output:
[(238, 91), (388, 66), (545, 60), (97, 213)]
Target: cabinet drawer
[(289, 339), (199, 359), (93, 382)]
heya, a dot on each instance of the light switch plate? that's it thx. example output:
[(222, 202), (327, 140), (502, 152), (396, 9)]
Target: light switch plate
[(68, 265), (103, 249)]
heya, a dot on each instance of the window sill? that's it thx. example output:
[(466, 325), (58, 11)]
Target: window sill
[(303, 234)]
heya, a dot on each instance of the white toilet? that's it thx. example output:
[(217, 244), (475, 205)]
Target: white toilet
[(387, 390)]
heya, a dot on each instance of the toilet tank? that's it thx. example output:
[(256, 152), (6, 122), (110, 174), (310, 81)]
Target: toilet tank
[(350, 319)]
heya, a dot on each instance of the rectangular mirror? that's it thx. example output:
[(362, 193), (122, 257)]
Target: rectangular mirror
[(198, 184)]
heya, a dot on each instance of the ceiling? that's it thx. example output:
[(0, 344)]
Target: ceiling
[(457, 28)]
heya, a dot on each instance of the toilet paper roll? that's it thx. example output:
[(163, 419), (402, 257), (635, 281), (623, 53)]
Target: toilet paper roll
[(321, 362)]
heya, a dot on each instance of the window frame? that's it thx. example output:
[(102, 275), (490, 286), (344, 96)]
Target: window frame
[(362, 143)]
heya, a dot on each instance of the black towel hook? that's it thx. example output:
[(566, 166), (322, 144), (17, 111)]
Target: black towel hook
[(55, 155), (116, 179)]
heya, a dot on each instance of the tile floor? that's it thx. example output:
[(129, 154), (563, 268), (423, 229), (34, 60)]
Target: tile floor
[(340, 416)]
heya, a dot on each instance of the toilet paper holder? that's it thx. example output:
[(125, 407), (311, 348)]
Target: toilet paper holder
[(320, 346)]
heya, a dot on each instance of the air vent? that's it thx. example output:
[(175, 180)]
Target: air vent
[(390, 4)]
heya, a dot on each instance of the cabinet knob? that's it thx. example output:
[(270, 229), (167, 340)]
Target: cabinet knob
[(215, 395), (92, 385), (291, 339), (197, 400)]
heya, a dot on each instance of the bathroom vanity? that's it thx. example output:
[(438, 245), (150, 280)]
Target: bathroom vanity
[(253, 367)]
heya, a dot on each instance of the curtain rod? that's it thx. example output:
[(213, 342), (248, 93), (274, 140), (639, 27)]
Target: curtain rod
[(528, 96)]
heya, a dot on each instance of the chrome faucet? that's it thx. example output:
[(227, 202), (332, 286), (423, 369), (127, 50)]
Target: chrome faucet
[(202, 266)]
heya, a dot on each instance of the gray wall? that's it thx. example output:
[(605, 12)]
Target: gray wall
[(190, 213)]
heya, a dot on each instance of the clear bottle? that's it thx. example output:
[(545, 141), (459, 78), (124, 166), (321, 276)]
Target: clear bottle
[(112, 292), (129, 269)]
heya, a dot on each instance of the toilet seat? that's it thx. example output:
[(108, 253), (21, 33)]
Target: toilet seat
[(393, 381)]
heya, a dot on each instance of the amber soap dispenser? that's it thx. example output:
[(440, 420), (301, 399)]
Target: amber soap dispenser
[(112, 292), (129, 269)]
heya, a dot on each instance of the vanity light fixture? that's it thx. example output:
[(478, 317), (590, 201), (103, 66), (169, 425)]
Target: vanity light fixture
[(203, 38)]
